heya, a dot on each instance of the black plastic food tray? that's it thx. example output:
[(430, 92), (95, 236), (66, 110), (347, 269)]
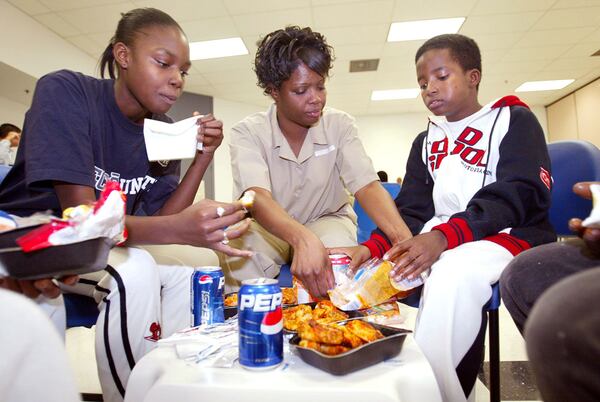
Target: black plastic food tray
[(56, 261), (357, 358)]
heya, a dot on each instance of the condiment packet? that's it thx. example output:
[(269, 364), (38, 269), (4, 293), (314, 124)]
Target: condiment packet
[(593, 221)]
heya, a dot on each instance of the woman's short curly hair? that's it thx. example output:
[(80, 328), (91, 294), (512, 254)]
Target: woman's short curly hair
[(281, 52)]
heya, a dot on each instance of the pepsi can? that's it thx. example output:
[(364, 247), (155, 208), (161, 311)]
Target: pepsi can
[(260, 324), (206, 296)]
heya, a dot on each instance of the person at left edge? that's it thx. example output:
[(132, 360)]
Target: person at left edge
[(80, 132)]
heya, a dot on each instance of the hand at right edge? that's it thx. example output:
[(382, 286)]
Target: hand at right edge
[(591, 236)]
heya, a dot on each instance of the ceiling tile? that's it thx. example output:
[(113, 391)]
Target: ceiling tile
[(356, 35), (498, 41), (186, 10), (511, 6), (576, 3), (264, 23), (209, 29), (340, 15), (573, 64), (237, 7), (96, 19), (57, 24), (196, 80), (535, 53), (431, 9), (499, 23), (30, 7), (510, 67), (555, 36), (358, 52), (61, 5), (582, 50), (569, 18), (88, 45)]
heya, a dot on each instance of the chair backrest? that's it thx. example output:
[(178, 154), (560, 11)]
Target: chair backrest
[(4, 169), (365, 224), (572, 162)]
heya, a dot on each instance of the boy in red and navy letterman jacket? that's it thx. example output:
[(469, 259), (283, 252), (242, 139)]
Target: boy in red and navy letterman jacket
[(476, 193)]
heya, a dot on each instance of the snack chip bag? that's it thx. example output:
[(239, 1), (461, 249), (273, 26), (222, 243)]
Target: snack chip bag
[(104, 218), (370, 286)]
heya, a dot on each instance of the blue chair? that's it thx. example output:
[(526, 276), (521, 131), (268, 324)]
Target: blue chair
[(572, 162), (365, 224), (4, 169)]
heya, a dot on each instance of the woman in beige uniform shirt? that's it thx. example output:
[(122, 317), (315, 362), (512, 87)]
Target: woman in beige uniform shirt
[(298, 157)]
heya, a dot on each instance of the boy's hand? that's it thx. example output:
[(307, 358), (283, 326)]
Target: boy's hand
[(33, 288), (210, 133), (590, 236), (358, 254), (416, 255), (312, 266)]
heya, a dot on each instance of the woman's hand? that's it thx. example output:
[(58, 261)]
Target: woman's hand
[(311, 265), (210, 133), (358, 254), (212, 224), (33, 288), (416, 255)]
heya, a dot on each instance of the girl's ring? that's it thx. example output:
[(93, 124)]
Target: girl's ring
[(220, 211), (225, 239)]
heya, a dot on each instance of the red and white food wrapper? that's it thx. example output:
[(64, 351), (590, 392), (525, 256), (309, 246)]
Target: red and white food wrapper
[(103, 218)]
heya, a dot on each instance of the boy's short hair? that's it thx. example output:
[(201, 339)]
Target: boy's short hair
[(463, 49), (281, 52), (7, 128)]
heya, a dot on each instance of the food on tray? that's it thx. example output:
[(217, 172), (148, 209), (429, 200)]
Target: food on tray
[(363, 330), (231, 300), (324, 312), (333, 339), (384, 314), (289, 296)]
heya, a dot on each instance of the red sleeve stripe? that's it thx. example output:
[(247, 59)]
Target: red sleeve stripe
[(377, 245), (456, 231), (513, 244)]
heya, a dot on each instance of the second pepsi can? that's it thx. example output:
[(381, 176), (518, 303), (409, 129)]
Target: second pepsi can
[(260, 324), (206, 295)]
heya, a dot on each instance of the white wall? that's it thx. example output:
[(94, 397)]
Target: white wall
[(12, 112), (388, 138), (32, 48), (230, 113)]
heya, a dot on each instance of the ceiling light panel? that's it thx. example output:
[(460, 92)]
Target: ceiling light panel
[(531, 86), (425, 29), (212, 49)]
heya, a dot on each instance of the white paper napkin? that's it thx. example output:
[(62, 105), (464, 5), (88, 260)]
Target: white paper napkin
[(169, 141)]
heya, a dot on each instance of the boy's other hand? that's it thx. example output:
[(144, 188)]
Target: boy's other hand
[(591, 236), (416, 255), (358, 254)]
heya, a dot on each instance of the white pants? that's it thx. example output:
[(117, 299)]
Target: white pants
[(270, 252), (449, 319), (33, 361), (139, 301)]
